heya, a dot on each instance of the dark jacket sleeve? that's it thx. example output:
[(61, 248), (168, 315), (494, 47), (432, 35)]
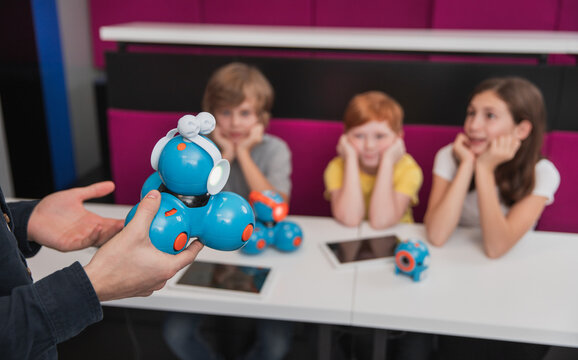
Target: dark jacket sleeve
[(20, 215), (38, 316), (34, 317)]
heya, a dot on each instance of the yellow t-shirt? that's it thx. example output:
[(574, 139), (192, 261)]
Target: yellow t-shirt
[(407, 179)]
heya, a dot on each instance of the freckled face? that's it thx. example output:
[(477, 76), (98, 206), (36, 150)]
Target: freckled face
[(487, 118), (370, 141), (236, 122)]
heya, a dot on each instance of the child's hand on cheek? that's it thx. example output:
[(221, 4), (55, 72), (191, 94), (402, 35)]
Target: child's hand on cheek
[(345, 149), (501, 150), (227, 147), (395, 151), (254, 138), (461, 149)]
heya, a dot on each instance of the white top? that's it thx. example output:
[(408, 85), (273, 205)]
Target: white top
[(547, 182), (368, 39)]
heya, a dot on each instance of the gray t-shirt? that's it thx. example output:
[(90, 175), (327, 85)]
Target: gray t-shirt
[(273, 157)]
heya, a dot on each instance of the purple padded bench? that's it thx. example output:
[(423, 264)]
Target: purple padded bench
[(133, 134)]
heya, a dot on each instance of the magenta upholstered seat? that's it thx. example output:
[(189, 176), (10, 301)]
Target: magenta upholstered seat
[(132, 136), (422, 142), (313, 144), (562, 215)]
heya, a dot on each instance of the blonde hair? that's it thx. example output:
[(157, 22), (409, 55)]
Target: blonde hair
[(231, 84), (373, 105)]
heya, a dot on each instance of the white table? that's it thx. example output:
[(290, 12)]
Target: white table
[(338, 38), (529, 295), (296, 293)]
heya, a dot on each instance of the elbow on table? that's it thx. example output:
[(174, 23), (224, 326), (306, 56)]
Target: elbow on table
[(349, 221), (435, 238), (380, 224), (494, 253)]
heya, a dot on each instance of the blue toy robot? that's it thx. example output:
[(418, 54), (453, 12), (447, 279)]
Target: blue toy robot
[(412, 259), (270, 230), (190, 175)]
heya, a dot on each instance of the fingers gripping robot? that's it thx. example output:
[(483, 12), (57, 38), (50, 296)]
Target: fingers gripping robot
[(190, 174), (270, 230)]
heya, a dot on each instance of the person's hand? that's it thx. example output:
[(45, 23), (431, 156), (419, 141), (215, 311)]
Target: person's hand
[(501, 149), (395, 151), (345, 149), (129, 265), (61, 221), (255, 137), (461, 149), (227, 147)]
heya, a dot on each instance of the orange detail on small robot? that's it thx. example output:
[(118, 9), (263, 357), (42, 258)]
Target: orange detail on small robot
[(181, 146), (297, 241)]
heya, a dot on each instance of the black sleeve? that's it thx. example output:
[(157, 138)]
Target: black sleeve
[(36, 317)]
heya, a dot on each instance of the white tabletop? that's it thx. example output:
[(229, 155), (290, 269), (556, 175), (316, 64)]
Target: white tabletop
[(339, 38), (305, 286), (528, 295)]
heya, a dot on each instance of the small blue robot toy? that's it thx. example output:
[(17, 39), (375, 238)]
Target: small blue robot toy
[(270, 209), (412, 259), (190, 174)]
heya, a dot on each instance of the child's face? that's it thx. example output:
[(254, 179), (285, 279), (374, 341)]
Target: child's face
[(370, 141), (236, 122), (487, 118)]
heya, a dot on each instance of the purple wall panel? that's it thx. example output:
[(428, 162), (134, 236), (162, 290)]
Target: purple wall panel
[(109, 12), (495, 14), (374, 13), (257, 12), (567, 21)]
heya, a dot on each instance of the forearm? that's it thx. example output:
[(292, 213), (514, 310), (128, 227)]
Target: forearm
[(443, 215), (347, 204), (256, 180), (497, 235), (384, 210)]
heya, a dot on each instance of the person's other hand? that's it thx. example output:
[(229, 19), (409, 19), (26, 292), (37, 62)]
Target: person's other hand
[(345, 149), (501, 150), (129, 265), (395, 151), (461, 149), (227, 146), (61, 221), (255, 137)]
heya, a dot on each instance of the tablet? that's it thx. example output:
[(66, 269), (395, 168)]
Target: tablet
[(362, 251), (223, 278)]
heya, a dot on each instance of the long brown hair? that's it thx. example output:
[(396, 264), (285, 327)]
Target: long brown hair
[(515, 178)]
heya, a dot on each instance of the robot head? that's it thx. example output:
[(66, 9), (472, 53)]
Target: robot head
[(411, 256), (268, 205), (191, 164)]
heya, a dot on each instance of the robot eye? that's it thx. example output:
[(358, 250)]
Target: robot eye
[(218, 176), (405, 261)]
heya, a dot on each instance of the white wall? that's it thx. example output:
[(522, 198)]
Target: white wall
[(74, 21)]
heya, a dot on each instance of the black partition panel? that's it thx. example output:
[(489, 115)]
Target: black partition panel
[(316, 88)]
